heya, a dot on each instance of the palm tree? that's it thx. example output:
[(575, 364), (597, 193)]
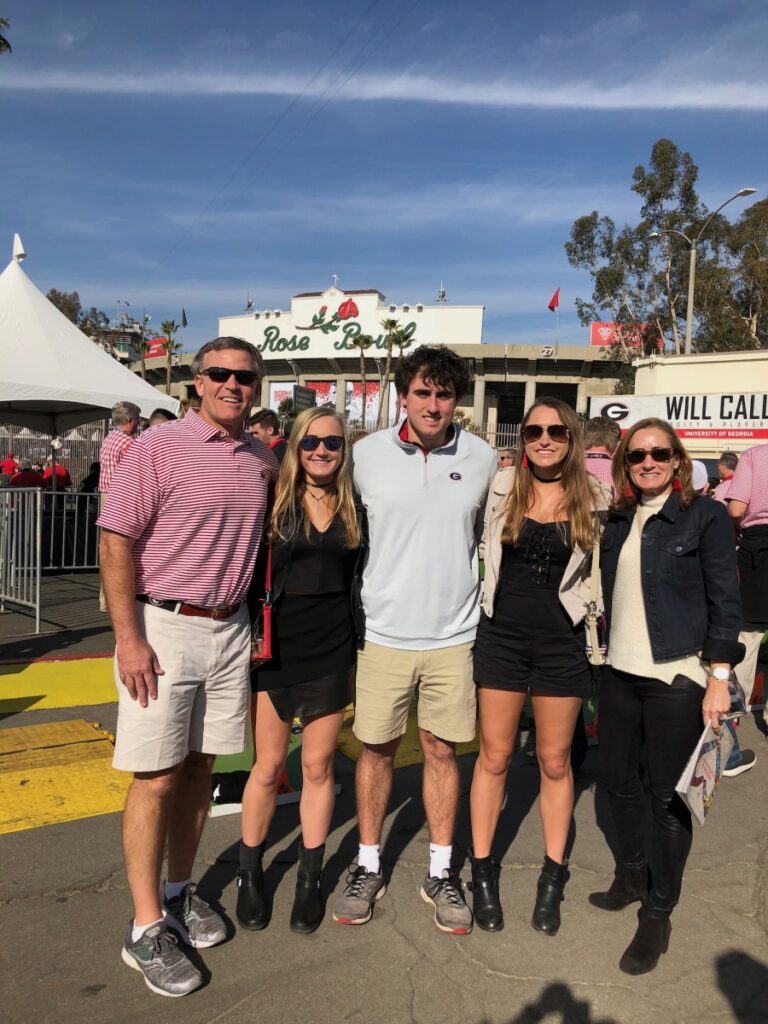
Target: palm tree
[(5, 46), (363, 342), (390, 328), (170, 347)]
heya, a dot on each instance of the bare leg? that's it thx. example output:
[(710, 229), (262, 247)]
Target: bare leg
[(373, 785), (189, 808), (318, 793), (145, 824), (500, 713), (555, 719), (440, 786), (271, 739)]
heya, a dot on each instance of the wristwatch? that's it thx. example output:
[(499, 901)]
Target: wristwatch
[(723, 675)]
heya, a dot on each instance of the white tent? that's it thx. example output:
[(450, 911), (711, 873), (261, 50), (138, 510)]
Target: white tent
[(52, 377)]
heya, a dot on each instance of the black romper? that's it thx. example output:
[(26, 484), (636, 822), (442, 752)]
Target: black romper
[(314, 651), (530, 642)]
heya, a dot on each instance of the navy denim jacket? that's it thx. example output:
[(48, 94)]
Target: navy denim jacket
[(689, 579)]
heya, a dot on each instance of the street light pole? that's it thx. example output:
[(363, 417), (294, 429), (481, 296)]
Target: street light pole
[(692, 243)]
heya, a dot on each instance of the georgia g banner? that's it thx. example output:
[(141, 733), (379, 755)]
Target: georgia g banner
[(728, 416)]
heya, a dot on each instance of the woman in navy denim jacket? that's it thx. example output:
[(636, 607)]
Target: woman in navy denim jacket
[(673, 613)]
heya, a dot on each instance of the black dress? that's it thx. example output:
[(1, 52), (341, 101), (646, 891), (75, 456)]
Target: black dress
[(530, 643), (314, 648)]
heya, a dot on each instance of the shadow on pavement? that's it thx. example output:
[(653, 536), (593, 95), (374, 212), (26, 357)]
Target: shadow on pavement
[(10, 706), (62, 641), (558, 1005), (744, 982)]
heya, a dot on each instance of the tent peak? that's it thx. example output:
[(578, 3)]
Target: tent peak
[(19, 253)]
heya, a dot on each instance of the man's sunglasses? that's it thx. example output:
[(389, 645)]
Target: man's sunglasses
[(637, 456), (311, 442), (221, 374), (557, 433)]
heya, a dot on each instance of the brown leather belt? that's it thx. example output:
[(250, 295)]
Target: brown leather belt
[(182, 608)]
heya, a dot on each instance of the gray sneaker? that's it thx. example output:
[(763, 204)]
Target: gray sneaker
[(362, 890), (452, 914), (166, 969), (193, 919)]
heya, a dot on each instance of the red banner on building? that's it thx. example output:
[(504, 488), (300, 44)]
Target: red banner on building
[(606, 334)]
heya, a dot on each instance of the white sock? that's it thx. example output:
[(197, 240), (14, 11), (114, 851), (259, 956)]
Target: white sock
[(439, 860), (139, 929), (369, 858), (174, 888)]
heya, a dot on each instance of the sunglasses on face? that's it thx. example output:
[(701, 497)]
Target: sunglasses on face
[(557, 433), (311, 442), (221, 374), (637, 456)]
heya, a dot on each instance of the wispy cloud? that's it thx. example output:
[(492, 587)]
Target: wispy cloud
[(662, 89)]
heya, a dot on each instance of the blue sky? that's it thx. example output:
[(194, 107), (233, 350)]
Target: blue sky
[(171, 154)]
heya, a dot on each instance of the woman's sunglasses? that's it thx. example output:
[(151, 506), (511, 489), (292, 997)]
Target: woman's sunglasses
[(311, 442), (637, 456), (221, 374), (557, 433)]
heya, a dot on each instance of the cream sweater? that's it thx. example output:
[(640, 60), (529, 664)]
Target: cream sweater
[(629, 648)]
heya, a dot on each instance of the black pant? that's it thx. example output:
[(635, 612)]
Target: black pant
[(666, 719)]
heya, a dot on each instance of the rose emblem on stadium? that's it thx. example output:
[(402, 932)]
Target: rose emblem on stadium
[(348, 309)]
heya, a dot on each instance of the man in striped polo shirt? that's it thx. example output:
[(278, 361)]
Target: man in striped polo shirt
[(180, 531)]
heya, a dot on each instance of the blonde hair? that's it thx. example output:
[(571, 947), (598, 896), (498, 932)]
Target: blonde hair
[(579, 488), (291, 486), (627, 493)]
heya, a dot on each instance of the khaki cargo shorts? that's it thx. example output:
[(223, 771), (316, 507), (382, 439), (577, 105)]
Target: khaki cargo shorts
[(387, 679)]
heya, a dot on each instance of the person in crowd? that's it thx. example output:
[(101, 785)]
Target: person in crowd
[(699, 477), (26, 476), (90, 482), (673, 617), (726, 467), (9, 466), (601, 436), (747, 501), (317, 549), (506, 457), (125, 423), (265, 425), (540, 525), (63, 479), (161, 416), (176, 585), (423, 485)]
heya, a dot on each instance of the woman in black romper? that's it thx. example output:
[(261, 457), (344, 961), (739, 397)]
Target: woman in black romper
[(539, 529), (315, 536)]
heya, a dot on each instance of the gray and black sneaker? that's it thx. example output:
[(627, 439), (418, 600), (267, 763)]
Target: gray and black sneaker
[(193, 919), (156, 954), (362, 890), (452, 914)]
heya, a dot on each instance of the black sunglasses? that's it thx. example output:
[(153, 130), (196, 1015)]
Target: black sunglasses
[(557, 433), (221, 374), (311, 442), (637, 456)]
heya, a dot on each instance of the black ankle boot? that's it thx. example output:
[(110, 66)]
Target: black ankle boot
[(549, 895), (628, 886), (307, 912), (650, 941), (252, 911), (486, 905)]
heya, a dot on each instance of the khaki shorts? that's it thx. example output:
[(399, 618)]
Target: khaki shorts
[(387, 679), (202, 698)]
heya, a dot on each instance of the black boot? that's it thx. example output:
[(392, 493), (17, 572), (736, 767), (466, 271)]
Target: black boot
[(650, 941), (628, 886), (549, 895), (252, 911), (486, 905), (307, 912)]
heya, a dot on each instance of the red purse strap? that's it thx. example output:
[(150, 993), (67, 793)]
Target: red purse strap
[(268, 576)]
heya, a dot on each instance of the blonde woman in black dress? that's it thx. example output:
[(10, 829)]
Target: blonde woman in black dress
[(315, 536)]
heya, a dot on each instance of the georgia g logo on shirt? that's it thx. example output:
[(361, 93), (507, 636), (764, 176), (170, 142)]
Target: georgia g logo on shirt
[(455, 476)]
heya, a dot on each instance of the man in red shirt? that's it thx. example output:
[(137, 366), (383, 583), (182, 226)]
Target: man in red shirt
[(264, 424), (26, 476), (9, 466), (601, 438), (125, 423), (63, 479), (180, 530)]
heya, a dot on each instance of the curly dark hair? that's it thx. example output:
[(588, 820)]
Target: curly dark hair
[(437, 364)]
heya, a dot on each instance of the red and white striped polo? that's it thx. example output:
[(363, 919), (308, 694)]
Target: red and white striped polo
[(749, 484), (193, 500), (113, 448)]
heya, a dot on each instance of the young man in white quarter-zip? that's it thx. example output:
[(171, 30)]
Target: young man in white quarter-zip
[(423, 486)]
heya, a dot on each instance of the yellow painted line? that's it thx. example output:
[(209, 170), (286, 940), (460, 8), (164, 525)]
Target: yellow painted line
[(62, 774), (56, 684), (409, 751)]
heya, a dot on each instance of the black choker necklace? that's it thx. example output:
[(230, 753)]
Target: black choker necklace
[(542, 479)]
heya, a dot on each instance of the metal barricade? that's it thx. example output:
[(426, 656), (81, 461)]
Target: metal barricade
[(20, 548), (69, 531)]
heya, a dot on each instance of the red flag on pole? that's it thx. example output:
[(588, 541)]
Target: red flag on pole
[(554, 302)]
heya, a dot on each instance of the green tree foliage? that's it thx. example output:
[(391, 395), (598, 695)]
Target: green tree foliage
[(363, 342), (5, 46), (90, 321), (171, 347)]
